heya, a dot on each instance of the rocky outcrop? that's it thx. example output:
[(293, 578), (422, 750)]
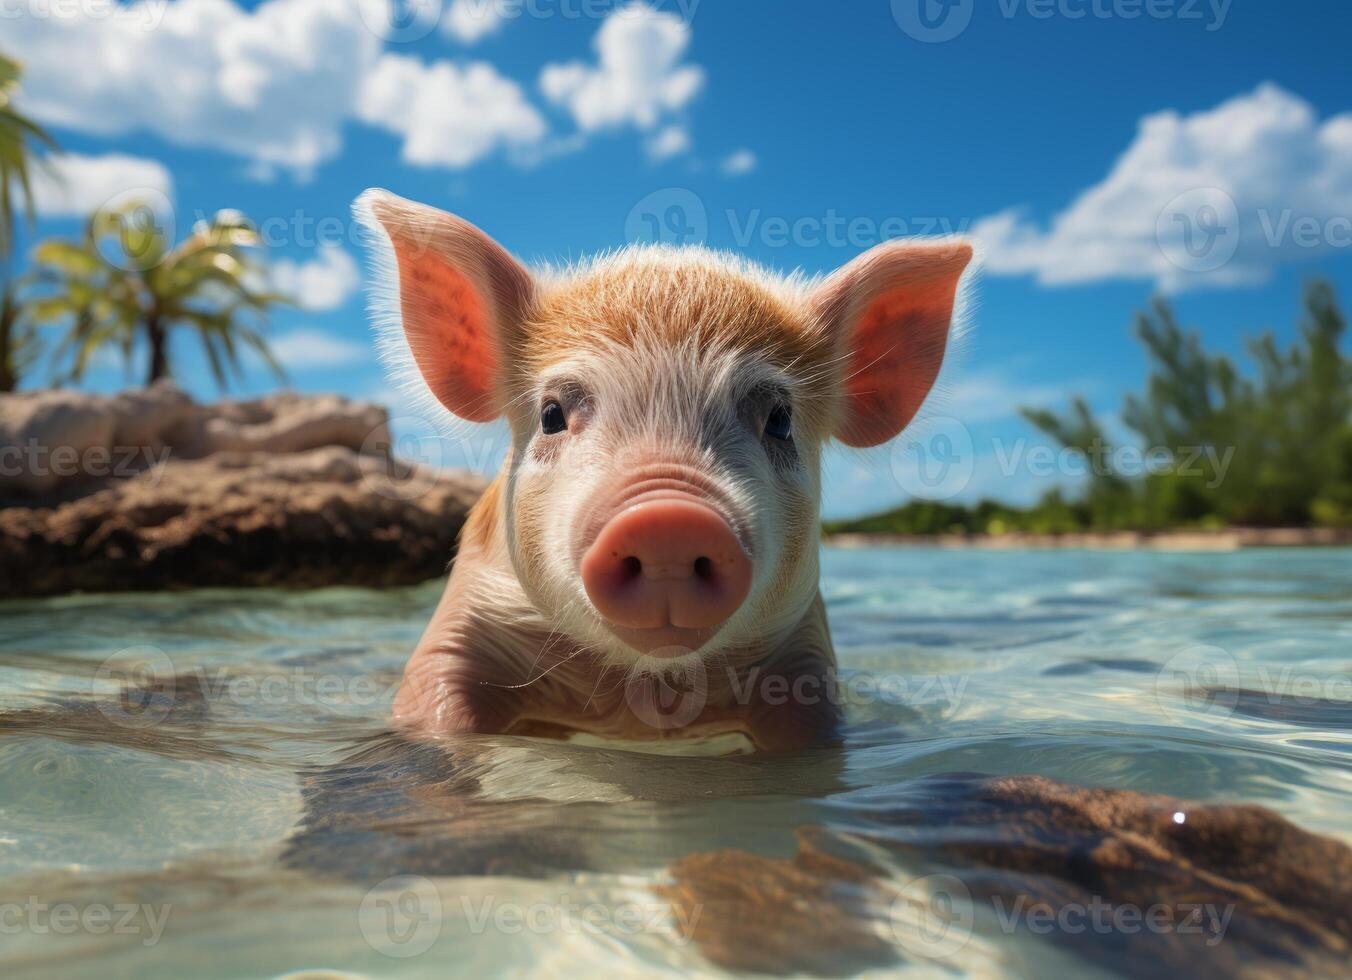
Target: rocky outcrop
[(149, 490), (58, 444)]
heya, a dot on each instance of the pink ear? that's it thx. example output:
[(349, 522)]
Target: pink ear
[(891, 308), (461, 300)]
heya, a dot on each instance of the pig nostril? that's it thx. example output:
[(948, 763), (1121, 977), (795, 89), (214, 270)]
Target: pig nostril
[(668, 564)]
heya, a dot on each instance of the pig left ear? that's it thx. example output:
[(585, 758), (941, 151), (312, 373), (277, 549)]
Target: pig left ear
[(460, 298), (891, 310)]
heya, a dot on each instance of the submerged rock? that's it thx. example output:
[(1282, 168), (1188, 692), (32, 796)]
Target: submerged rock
[(149, 490), (1138, 883)]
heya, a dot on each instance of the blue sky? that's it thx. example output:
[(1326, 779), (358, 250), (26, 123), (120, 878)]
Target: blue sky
[(1078, 139)]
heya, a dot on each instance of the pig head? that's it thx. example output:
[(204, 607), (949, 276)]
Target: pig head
[(646, 563)]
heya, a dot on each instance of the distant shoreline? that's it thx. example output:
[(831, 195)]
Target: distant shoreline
[(1225, 539)]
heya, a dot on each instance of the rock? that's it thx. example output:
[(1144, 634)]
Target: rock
[(149, 490), (33, 426), (288, 423), (324, 517), (60, 444), (1166, 886), (768, 915)]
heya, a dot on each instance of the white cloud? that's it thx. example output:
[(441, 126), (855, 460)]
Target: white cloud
[(470, 21), (273, 83), (79, 185), (738, 163), (309, 347), (449, 115), (668, 142), (1217, 197), (276, 83), (324, 283), (637, 79)]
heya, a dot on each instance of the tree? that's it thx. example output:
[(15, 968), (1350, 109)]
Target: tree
[(18, 137), (125, 285), (1274, 449), (1108, 497), (19, 348)]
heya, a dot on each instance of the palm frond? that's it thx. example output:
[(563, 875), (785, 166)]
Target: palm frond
[(19, 136)]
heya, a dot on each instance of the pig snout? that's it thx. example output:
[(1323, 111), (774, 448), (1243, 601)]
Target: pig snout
[(666, 570)]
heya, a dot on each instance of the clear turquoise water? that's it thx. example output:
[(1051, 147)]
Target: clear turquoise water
[(207, 808)]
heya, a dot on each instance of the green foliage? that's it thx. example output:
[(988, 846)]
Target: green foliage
[(1271, 449), (18, 137), (1052, 515), (1274, 449), (125, 282), (19, 346)]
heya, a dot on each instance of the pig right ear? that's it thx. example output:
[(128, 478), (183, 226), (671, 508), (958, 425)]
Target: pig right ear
[(461, 299)]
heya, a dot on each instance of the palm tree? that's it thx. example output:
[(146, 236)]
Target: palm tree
[(18, 135), (18, 338), (124, 283)]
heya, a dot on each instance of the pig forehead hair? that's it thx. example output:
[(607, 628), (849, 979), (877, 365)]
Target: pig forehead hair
[(677, 299)]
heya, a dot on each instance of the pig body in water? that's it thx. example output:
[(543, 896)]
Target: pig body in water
[(645, 565)]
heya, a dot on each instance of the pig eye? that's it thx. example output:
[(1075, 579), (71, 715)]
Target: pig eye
[(780, 423), (552, 419)]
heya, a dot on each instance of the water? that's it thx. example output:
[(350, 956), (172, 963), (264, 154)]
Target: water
[(244, 813)]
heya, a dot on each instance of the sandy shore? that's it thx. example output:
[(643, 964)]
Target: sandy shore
[(1228, 539)]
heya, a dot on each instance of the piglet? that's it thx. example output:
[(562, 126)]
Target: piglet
[(645, 565)]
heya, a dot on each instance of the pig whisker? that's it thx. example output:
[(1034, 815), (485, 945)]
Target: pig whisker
[(540, 676), (592, 695), (555, 633)]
